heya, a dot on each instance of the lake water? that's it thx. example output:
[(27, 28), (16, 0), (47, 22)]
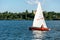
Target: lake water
[(18, 30)]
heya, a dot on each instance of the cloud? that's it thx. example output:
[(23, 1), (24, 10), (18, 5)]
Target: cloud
[(32, 2)]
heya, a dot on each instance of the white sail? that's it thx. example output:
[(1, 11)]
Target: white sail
[(39, 18)]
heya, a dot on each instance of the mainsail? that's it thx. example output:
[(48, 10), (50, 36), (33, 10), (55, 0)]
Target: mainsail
[(39, 18)]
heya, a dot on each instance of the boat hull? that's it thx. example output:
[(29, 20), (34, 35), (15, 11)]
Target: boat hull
[(39, 29)]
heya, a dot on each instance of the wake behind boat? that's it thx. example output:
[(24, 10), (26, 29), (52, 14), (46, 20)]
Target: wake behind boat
[(39, 22)]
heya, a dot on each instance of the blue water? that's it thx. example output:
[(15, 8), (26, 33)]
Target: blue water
[(18, 30)]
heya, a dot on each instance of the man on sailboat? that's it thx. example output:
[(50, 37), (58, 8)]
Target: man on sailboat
[(39, 29)]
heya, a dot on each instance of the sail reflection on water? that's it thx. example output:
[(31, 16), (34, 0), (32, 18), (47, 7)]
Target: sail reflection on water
[(38, 35)]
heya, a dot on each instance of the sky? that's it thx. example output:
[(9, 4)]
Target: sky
[(22, 5)]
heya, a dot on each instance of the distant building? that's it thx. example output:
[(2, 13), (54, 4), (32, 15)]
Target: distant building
[(35, 11)]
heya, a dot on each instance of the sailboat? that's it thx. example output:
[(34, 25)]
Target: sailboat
[(39, 22)]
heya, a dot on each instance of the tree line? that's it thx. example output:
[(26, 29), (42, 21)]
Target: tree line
[(28, 15)]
